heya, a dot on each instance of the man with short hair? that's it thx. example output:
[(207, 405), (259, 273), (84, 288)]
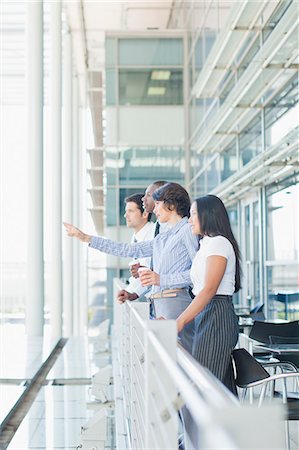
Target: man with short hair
[(139, 220), (148, 205)]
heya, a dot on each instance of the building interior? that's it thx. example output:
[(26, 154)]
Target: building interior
[(99, 99)]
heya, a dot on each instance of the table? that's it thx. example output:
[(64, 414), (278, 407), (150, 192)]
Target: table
[(279, 349)]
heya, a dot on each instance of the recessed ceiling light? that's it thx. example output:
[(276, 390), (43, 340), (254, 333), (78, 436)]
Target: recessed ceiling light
[(156, 90), (160, 74)]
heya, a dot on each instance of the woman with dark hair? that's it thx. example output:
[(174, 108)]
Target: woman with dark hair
[(172, 253), (215, 274)]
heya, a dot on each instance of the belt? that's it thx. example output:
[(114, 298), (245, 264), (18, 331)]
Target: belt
[(167, 293), (223, 297)]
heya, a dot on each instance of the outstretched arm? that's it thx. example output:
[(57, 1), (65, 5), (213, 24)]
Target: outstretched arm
[(137, 250), (75, 232)]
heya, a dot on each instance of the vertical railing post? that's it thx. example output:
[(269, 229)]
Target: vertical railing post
[(166, 332), (137, 352)]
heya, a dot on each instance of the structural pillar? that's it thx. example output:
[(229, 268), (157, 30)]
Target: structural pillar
[(56, 151), (35, 252), (76, 202), (68, 185)]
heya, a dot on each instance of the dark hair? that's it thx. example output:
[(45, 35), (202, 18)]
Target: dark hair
[(214, 221), (137, 198), (159, 183), (175, 197)]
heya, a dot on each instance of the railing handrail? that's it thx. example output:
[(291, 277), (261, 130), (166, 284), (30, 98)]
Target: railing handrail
[(202, 379)]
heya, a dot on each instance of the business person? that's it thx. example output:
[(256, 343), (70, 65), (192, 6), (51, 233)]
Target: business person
[(215, 274)]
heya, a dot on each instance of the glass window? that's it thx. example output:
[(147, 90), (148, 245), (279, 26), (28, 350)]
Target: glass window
[(283, 244), (250, 141), (228, 161), (197, 162), (111, 210), (281, 114), (151, 52), (111, 52), (110, 87), (234, 220), (111, 165), (151, 87), (256, 247), (199, 187), (140, 166), (210, 37), (197, 111), (199, 55), (213, 172)]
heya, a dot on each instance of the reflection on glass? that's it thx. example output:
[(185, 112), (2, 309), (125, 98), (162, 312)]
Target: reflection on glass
[(110, 87), (250, 141), (213, 175), (111, 52), (136, 169), (281, 115), (228, 161), (151, 87), (256, 264)]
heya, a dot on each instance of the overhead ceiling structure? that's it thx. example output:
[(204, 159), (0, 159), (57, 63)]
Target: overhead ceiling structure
[(89, 22)]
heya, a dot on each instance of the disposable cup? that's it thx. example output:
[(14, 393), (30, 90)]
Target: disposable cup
[(142, 270), (134, 262)]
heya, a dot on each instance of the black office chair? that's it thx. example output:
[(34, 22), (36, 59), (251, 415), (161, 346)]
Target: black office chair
[(250, 373), (286, 357), (261, 331)]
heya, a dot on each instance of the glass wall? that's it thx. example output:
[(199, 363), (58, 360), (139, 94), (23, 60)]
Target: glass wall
[(243, 139), (283, 246), (145, 123)]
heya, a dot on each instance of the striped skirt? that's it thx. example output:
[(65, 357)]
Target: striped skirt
[(216, 334)]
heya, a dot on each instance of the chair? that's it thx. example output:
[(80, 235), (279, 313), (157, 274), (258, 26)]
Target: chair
[(250, 373), (261, 331), (291, 356)]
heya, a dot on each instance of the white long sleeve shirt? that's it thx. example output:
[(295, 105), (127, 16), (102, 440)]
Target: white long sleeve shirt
[(146, 233)]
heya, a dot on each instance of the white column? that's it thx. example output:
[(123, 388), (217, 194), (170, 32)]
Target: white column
[(56, 147), (76, 201), (187, 150), (35, 258), (68, 184)]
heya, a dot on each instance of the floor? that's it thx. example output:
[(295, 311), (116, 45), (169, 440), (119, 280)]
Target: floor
[(61, 407), (64, 404)]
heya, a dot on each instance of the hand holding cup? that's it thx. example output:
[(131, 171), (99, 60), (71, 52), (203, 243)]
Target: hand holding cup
[(134, 266), (148, 277)]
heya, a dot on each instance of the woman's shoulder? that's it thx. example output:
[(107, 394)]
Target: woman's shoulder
[(219, 241)]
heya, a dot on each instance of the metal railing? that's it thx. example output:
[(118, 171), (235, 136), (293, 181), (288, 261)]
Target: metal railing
[(160, 385)]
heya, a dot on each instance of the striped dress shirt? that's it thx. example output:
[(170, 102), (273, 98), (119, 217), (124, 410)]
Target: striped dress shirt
[(172, 253)]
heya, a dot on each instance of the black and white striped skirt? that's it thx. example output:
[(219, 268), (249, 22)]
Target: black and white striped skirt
[(216, 334)]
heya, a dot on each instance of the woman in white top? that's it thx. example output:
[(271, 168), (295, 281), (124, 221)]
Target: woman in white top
[(215, 274)]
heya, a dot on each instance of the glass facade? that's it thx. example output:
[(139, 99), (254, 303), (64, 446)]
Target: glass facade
[(230, 128), (243, 139), (283, 244)]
